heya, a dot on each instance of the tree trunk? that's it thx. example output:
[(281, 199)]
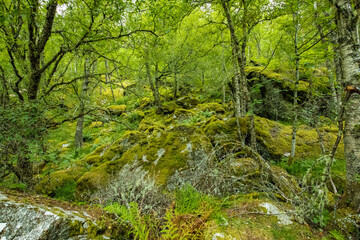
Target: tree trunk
[(80, 122), (237, 62), (5, 90), (108, 80), (24, 169), (175, 86), (152, 86), (37, 42), (352, 150), (350, 63), (297, 78)]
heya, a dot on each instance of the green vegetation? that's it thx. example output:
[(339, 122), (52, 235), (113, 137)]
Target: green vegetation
[(186, 119)]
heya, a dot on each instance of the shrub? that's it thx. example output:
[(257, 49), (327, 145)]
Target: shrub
[(133, 184), (22, 129), (207, 176)]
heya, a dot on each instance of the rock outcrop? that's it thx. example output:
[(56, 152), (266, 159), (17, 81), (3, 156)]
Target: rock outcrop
[(21, 220)]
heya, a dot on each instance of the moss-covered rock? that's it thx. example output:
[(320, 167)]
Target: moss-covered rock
[(245, 167), (212, 107), (144, 102), (161, 152), (169, 107), (284, 182), (92, 159), (275, 140), (96, 124), (58, 179), (182, 114), (187, 102), (117, 109)]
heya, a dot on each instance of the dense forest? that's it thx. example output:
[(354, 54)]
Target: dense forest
[(179, 119)]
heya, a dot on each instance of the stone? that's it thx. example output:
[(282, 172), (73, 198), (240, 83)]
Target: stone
[(117, 109), (25, 221)]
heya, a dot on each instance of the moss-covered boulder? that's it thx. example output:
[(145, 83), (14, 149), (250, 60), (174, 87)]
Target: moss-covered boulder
[(92, 159), (212, 107), (144, 102), (57, 180), (96, 124), (161, 152), (152, 121), (187, 102), (245, 167), (275, 140), (169, 107), (117, 109), (182, 114)]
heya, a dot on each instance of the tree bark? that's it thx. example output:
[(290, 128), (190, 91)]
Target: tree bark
[(297, 78), (5, 90), (79, 139), (347, 18), (108, 80), (240, 110), (37, 43), (153, 87)]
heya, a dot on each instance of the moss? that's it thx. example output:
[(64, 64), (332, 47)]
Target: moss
[(215, 107), (166, 92), (275, 139), (58, 179), (243, 122), (96, 124), (216, 127), (106, 95), (182, 114), (161, 153), (117, 109), (245, 167), (97, 178), (169, 107), (187, 102), (144, 102), (92, 159), (284, 181), (265, 72), (151, 121)]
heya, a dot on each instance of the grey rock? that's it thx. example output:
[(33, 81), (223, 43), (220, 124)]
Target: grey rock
[(23, 221)]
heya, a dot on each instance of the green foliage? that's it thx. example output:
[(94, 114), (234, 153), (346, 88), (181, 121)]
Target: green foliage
[(283, 233), (299, 167), (14, 185), (132, 215), (187, 199), (22, 132), (336, 235), (322, 218), (66, 192), (198, 117), (169, 229)]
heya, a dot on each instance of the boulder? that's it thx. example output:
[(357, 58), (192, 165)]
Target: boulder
[(187, 102), (117, 109), (35, 221)]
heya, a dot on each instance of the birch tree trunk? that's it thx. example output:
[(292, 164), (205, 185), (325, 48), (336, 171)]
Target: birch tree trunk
[(236, 59), (297, 78), (80, 122), (350, 64)]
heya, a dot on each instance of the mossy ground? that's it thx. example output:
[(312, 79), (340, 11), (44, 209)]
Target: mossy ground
[(163, 143)]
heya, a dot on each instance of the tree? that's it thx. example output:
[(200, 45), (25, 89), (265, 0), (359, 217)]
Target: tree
[(348, 39)]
